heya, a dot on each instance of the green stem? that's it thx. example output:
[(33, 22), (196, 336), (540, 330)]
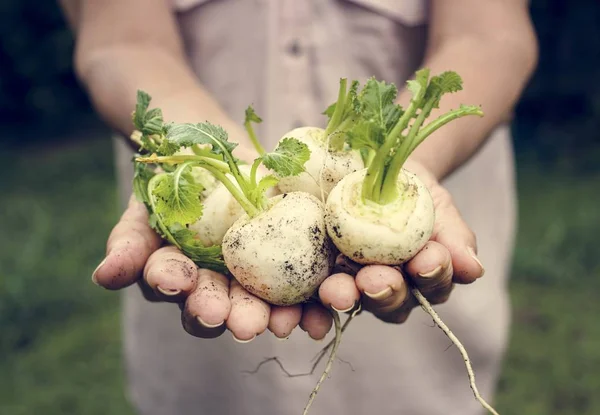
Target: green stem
[(253, 172), (442, 120), (239, 195), (205, 152), (376, 171), (253, 138), (415, 137), (389, 187), (216, 164), (163, 228), (217, 168), (340, 106)]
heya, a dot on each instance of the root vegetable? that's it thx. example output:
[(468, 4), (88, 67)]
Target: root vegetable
[(325, 168), (330, 159), (220, 212), (345, 187), (279, 248), (384, 214), (283, 254), (371, 233)]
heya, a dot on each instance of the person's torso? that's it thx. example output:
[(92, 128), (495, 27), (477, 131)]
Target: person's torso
[(285, 57)]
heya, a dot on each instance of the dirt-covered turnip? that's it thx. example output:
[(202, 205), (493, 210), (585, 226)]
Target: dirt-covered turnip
[(283, 254)]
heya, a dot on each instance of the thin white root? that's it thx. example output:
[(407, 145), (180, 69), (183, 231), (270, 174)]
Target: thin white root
[(436, 318), (316, 360), (336, 344)]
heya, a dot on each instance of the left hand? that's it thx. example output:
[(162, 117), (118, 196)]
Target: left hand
[(448, 258)]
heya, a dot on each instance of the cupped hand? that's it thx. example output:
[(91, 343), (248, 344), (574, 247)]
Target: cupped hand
[(210, 303), (448, 258)]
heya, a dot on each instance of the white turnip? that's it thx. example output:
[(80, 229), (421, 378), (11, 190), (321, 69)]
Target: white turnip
[(283, 254), (384, 214), (331, 159)]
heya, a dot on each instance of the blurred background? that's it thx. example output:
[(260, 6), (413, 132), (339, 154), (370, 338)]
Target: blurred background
[(59, 334)]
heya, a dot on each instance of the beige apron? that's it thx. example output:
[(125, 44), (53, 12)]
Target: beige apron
[(285, 57)]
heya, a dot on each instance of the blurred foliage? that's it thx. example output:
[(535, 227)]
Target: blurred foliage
[(557, 119), (38, 91)]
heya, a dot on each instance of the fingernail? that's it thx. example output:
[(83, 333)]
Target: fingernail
[(209, 326), (381, 295), (282, 339), (345, 310), (435, 272), (474, 256), (167, 291), (94, 280), (243, 341)]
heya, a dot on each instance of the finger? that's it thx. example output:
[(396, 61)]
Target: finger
[(316, 320), (249, 315), (452, 231), (170, 274), (208, 306), (284, 320), (431, 272), (129, 245), (339, 291), (343, 264), (384, 288), (400, 315)]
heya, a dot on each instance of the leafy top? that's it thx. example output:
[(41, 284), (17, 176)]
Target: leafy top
[(288, 158)]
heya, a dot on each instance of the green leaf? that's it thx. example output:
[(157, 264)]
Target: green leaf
[(266, 182), (188, 135), (418, 86), (141, 107), (377, 114), (205, 257), (351, 107), (251, 116), (444, 83), (330, 110), (366, 134), (377, 103), (288, 159), (147, 121), (177, 197), (141, 176), (167, 148)]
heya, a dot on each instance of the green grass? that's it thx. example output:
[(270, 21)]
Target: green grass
[(554, 358), (60, 338)]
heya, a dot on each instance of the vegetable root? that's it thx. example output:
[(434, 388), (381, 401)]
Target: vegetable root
[(426, 306)]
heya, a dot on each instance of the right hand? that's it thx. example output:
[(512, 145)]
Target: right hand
[(209, 301)]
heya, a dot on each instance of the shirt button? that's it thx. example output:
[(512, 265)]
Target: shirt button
[(295, 48)]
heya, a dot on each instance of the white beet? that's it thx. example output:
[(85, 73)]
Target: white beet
[(220, 211), (283, 254), (369, 233), (324, 169)]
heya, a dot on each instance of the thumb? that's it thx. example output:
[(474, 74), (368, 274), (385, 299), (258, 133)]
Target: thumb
[(451, 231)]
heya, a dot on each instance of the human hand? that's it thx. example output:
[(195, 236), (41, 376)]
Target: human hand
[(448, 258), (210, 303)]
